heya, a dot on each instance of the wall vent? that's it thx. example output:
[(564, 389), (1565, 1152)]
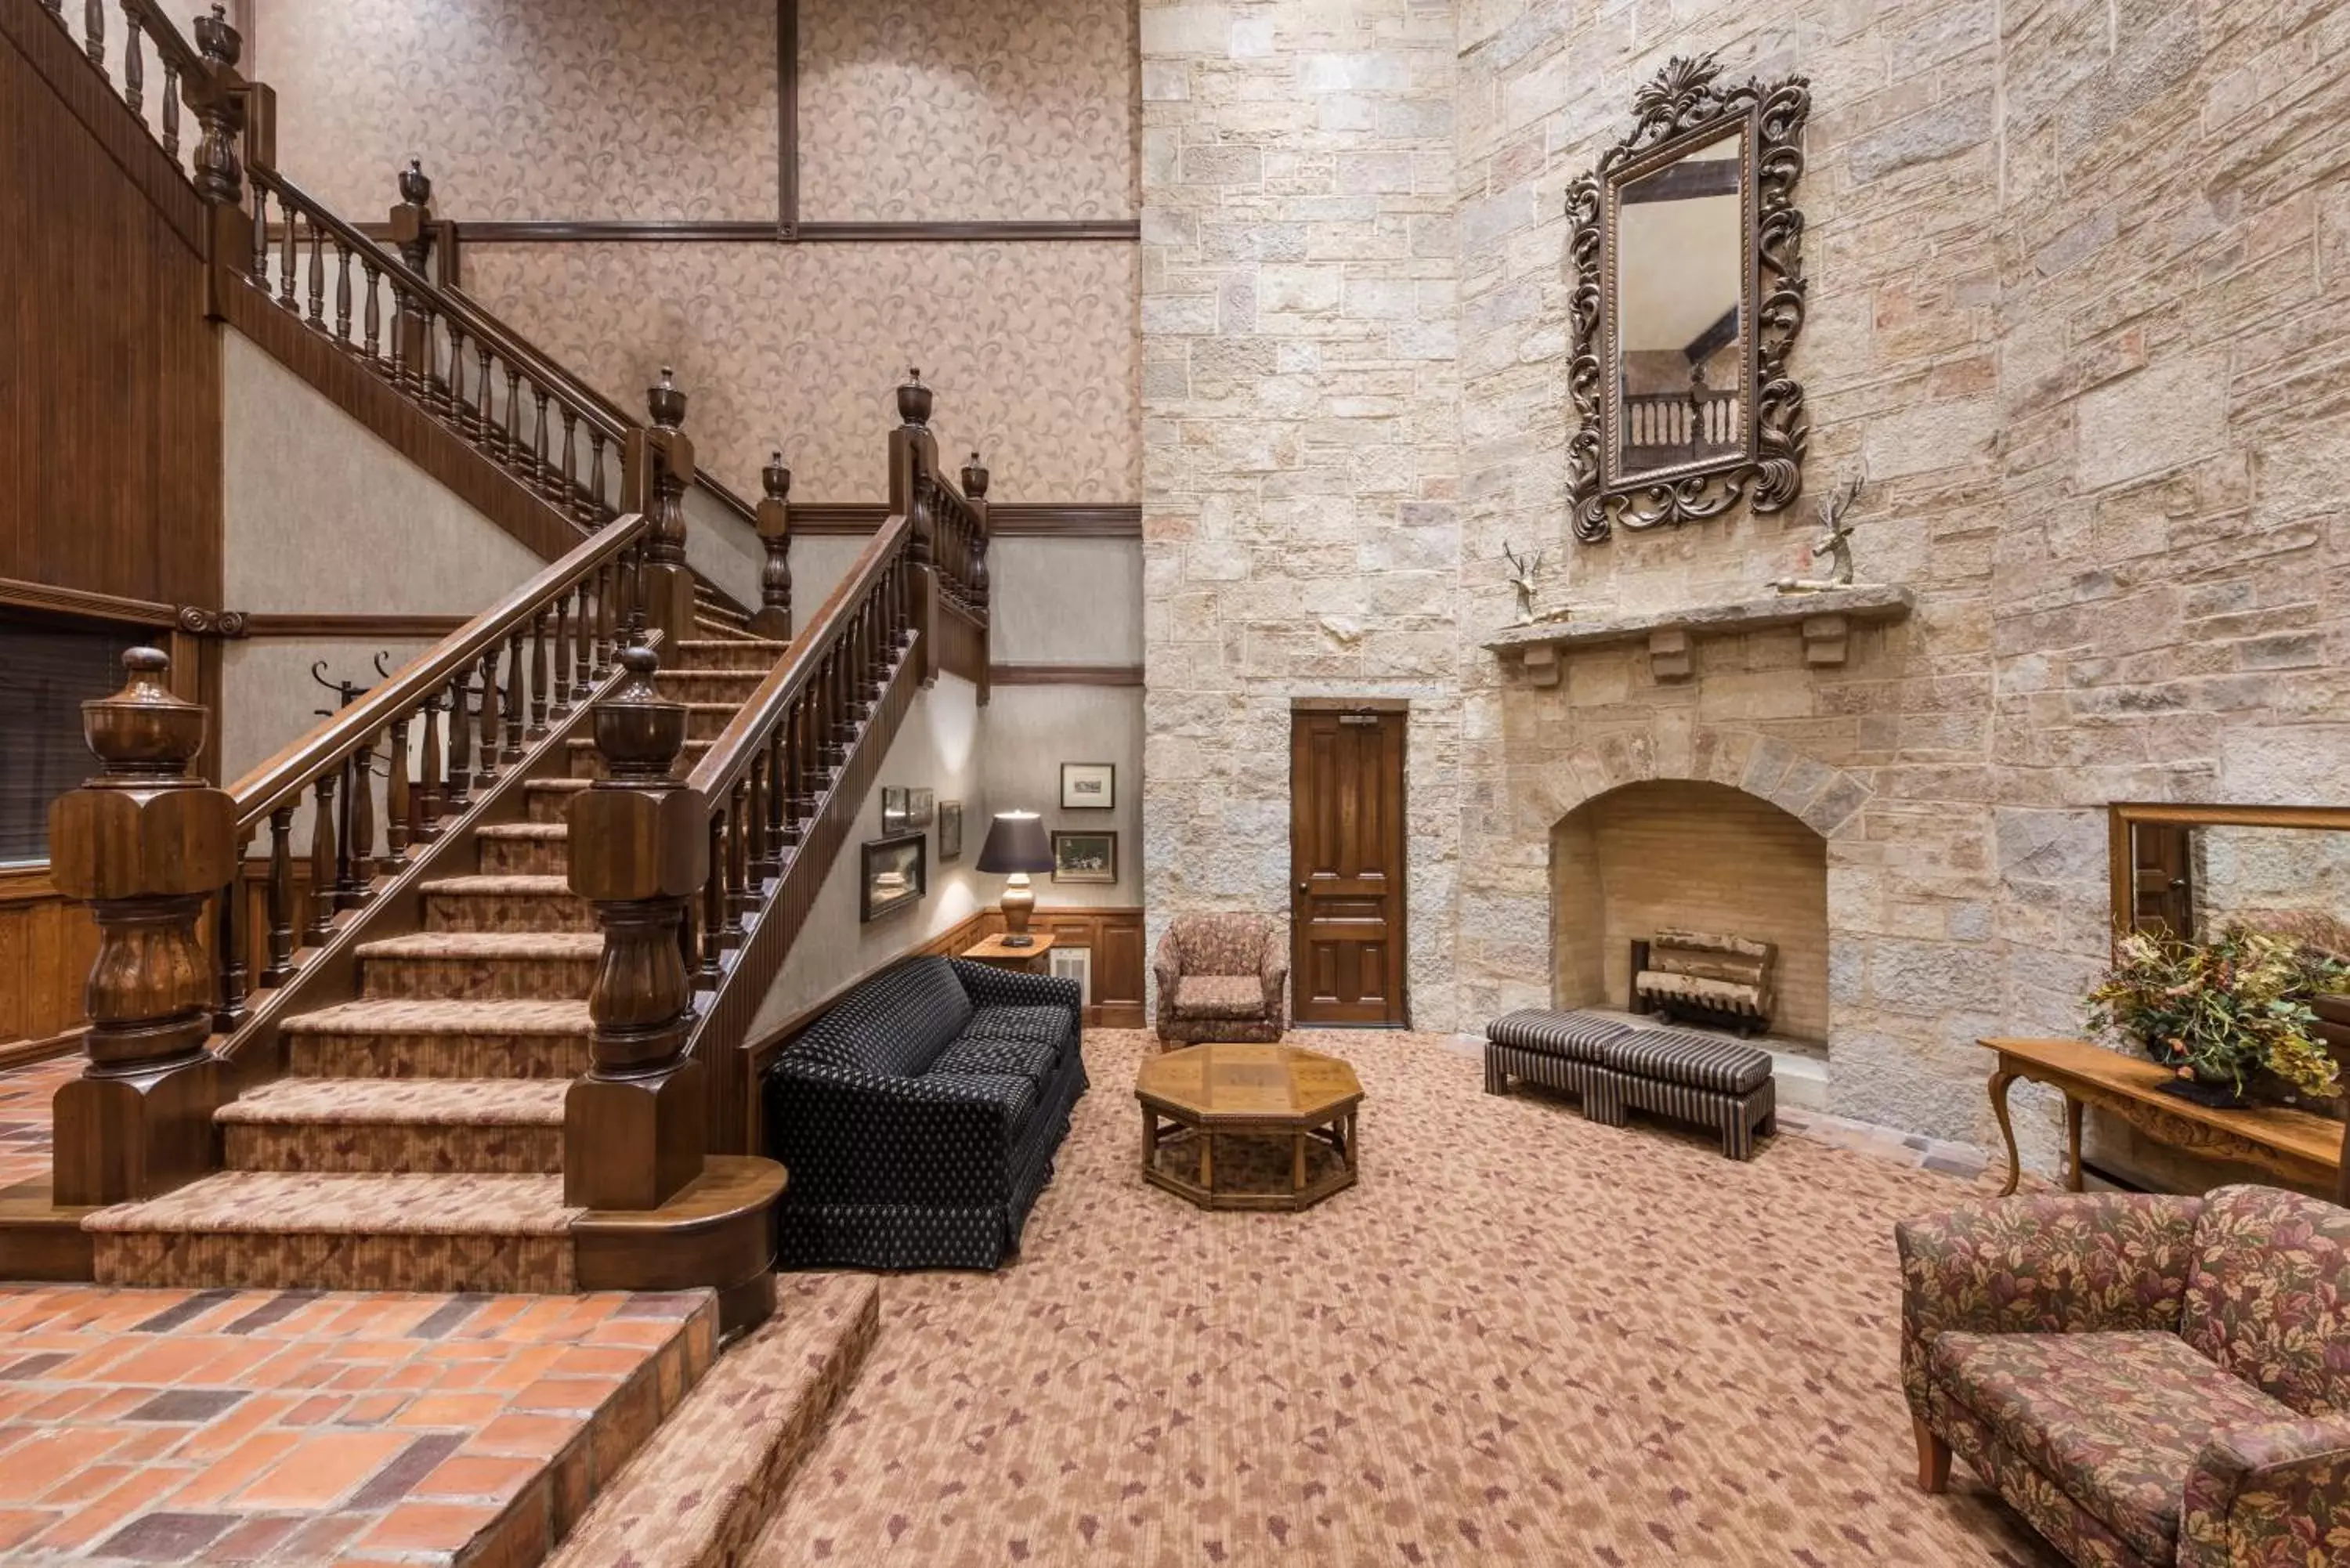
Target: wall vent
[(1077, 964)]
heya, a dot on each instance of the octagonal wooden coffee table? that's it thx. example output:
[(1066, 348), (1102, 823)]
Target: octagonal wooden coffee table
[(1297, 1107)]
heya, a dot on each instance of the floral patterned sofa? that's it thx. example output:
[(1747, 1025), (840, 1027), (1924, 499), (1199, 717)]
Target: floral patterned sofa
[(1221, 977), (2147, 1379)]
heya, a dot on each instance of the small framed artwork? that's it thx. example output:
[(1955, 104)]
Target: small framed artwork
[(1084, 857), (1088, 786), (896, 809), (895, 875), (949, 831), (921, 804)]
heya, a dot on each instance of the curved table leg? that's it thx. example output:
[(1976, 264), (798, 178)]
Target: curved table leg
[(1999, 1085), (2073, 1172)]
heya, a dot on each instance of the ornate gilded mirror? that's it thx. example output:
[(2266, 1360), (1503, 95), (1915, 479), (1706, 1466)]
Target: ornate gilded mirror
[(1689, 293)]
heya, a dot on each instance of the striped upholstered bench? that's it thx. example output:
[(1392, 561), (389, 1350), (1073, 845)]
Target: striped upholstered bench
[(1616, 1067)]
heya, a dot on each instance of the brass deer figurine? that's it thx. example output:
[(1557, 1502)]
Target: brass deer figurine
[(1834, 541)]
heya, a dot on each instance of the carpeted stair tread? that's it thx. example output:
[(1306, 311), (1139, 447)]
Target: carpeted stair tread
[(440, 1102), (569, 945), (511, 884), (392, 1015), (703, 1488), (286, 1203), (535, 832)]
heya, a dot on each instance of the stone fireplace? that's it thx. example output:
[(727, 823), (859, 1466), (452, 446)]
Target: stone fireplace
[(1661, 854)]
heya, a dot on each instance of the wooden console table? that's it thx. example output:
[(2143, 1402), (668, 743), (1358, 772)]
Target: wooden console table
[(2298, 1146)]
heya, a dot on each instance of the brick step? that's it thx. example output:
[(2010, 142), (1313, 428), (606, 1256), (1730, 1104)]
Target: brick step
[(524, 849), (503, 1126), (505, 901), (723, 653), (261, 1230), (408, 1039), (733, 686), (587, 764), (480, 966), (548, 799), (710, 1479)]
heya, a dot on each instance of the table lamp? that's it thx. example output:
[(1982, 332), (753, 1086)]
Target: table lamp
[(1016, 845)]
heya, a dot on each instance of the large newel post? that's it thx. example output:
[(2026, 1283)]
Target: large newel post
[(774, 615), (145, 845), (657, 469), (220, 100), (634, 1128), (913, 459)]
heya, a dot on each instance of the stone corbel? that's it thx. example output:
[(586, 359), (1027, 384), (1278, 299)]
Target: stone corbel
[(1668, 654), (1825, 640)]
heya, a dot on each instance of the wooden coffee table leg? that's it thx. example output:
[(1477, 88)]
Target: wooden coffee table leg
[(1297, 1161), (1207, 1160)]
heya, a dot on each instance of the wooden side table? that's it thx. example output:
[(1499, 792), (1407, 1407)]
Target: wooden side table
[(1030, 958)]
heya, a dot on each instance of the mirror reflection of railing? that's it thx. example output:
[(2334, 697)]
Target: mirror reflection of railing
[(1661, 428)]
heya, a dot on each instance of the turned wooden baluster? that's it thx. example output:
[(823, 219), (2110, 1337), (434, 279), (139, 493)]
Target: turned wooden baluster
[(608, 622), (713, 902), (774, 617), (511, 751), (289, 226), (975, 575), (145, 845), (342, 294), (454, 403), (537, 471), (540, 632), (738, 863), (509, 442), (561, 707), (399, 803), (324, 876), (799, 803), (134, 67), (485, 767), (372, 318), (232, 937), (358, 842), (563, 486), (583, 638), (772, 865), (461, 744), (485, 429), (281, 897), (432, 789), (591, 507), (634, 1128)]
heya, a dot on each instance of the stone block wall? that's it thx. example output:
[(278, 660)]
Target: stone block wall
[(2076, 274)]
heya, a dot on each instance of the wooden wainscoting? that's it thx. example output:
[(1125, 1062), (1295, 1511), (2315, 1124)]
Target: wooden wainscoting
[(46, 946), (1114, 937)]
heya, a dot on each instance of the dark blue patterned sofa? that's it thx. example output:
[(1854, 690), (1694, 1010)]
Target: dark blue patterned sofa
[(919, 1118)]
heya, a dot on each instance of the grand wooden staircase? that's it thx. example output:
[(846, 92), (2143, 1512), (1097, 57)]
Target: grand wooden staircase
[(481, 1022)]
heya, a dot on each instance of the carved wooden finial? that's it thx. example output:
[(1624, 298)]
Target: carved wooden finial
[(974, 479), (217, 40), (638, 734), (776, 478), (914, 401), (415, 186), (143, 735), (665, 402)]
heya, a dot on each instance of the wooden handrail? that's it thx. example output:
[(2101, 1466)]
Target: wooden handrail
[(282, 777), (731, 755)]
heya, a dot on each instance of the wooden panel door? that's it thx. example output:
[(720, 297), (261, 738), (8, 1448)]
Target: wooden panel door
[(1346, 867), (2162, 874)]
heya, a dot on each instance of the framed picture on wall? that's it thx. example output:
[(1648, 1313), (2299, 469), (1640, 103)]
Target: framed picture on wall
[(896, 809), (895, 876), (1084, 857), (1088, 786), (949, 831), (920, 803)]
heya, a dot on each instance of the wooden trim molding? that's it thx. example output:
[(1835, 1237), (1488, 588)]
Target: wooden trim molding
[(1005, 519), (19, 595), (1065, 675), (1125, 230), (631, 231), (354, 627)]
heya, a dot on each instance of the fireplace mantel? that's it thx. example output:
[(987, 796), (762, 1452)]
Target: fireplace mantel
[(1825, 618)]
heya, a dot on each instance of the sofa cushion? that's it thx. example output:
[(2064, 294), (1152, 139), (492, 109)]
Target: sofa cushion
[(1578, 1037), (1041, 1025), (2269, 1294), (895, 1024), (1685, 1056), (1030, 1059), (2115, 1419), (1014, 1091), (1219, 996)]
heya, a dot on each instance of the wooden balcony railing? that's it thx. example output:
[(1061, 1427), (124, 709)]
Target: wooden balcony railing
[(186, 73)]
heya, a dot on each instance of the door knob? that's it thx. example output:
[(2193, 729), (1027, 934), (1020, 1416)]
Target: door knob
[(1303, 888)]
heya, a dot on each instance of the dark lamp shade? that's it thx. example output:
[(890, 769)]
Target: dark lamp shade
[(1016, 841)]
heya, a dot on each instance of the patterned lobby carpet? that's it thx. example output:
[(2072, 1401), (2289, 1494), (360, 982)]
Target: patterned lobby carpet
[(1523, 1338)]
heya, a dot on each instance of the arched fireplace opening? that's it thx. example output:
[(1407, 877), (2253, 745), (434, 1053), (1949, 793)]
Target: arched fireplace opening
[(1680, 855)]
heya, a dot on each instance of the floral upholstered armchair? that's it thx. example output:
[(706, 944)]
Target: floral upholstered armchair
[(1221, 977), (2147, 1379)]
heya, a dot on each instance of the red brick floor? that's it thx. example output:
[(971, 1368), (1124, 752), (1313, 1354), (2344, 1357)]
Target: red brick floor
[(301, 1426)]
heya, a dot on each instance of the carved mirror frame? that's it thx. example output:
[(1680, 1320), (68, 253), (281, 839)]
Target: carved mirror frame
[(1683, 109)]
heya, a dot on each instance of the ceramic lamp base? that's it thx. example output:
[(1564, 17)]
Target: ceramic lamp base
[(1019, 904)]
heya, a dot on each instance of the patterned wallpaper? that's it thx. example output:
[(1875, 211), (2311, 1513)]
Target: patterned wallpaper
[(1032, 349), (528, 109), (935, 110)]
